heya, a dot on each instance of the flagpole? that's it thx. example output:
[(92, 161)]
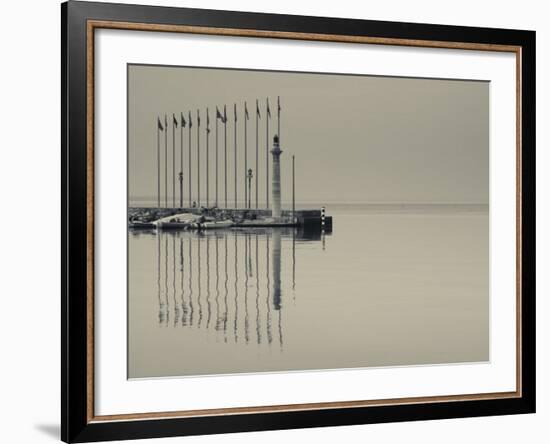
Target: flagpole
[(267, 154), (216, 156), (257, 172), (207, 157), (181, 189), (293, 192), (249, 177), (173, 161), (245, 156), (189, 166), (225, 150), (198, 160), (158, 162), (235, 149), (181, 162), (165, 161)]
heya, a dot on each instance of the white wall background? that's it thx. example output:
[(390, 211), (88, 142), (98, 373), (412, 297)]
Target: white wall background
[(30, 251)]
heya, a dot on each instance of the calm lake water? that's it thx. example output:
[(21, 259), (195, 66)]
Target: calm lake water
[(392, 285)]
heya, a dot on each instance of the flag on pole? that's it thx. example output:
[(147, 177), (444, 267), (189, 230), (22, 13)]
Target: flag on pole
[(246, 112), (198, 118), (218, 114), (175, 120), (190, 121), (207, 122), (159, 123), (224, 114), (258, 110), (165, 121), (183, 122), (235, 111), (279, 117), (268, 110)]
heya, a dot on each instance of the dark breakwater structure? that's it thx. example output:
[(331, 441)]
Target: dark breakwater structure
[(205, 214)]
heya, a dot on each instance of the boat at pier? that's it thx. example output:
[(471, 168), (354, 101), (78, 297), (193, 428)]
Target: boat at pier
[(213, 224), (176, 221)]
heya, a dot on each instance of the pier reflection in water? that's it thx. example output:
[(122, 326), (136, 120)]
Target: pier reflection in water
[(204, 280), (227, 283), (389, 287)]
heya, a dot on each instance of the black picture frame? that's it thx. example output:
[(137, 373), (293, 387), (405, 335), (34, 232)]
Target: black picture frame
[(76, 423)]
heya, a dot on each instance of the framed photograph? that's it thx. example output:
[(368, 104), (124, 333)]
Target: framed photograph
[(275, 221)]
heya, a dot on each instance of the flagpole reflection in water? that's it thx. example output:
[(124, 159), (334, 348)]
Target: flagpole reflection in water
[(176, 305), (183, 303), (230, 309), (258, 329), (199, 293), (268, 296), (247, 264), (218, 318), (225, 312), (236, 320), (209, 308), (190, 282), (166, 280), (162, 307), (294, 263)]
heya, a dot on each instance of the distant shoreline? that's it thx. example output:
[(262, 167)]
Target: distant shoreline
[(147, 202), (350, 205)]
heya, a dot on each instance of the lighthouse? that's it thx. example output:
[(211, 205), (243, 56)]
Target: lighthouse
[(276, 178)]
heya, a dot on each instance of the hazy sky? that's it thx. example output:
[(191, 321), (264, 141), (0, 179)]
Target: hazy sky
[(355, 138)]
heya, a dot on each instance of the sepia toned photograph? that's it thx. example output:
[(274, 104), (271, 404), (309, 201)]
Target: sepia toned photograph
[(297, 221), (276, 221)]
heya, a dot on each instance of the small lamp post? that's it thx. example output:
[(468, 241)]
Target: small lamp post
[(181, 188), (249, 177)]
